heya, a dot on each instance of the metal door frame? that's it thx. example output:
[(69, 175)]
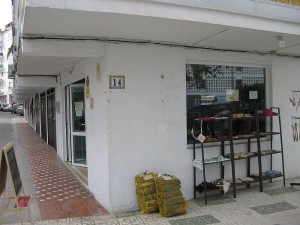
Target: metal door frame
[(70, 127)]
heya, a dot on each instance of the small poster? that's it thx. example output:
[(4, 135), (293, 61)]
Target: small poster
[(78, 106), (92, 103), (253, 95), (87, 86), (98, 74), (232, 95), (78, 113)]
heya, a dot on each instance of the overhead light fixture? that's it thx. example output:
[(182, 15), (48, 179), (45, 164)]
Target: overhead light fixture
[(280, 42)]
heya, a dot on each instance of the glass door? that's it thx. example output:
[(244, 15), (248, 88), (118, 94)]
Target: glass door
[(77, 117)]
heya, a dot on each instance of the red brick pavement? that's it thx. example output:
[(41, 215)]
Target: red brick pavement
[(59, 193)]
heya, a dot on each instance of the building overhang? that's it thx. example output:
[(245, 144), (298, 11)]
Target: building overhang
[(239, 25), (57, 34)]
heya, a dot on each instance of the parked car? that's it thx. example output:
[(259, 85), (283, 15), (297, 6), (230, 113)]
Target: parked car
[(7, 108), (15, 107), (20, 110), (3, 105)]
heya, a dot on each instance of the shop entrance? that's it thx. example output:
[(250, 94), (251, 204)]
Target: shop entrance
[(51, 120), (37, 113), (76, 125), (43, 116)]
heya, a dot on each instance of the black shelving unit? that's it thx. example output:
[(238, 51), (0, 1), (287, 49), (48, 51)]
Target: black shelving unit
[(222, 153), (271, 152), (259, 153)]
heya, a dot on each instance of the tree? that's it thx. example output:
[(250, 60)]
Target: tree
[(196, 74)]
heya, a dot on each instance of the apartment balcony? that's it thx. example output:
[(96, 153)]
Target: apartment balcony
[(1, 67), (1, 55)]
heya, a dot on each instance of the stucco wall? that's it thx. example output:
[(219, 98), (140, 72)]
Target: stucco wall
[(147, 120), (96, 126), (143, 127), (285, 73)]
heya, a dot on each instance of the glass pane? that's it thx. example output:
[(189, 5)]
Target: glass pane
[(211, 89), (79, 149), (78, 109)]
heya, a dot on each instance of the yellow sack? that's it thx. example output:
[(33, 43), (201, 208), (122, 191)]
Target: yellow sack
[(146, 192), (169, 197), (168, 194)]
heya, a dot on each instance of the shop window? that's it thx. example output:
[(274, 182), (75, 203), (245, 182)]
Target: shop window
[(241, 90)]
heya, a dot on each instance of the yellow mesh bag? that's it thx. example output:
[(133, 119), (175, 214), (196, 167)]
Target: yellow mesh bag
[(170, 202), (146, 192), (169, 197), (169, 194)]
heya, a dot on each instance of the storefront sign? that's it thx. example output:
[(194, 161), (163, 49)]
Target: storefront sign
[(78, 106), (116, 82), (232, 95), (252, 94)]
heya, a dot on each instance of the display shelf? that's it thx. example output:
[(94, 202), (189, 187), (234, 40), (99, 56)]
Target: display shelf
[(244, 182), (221, 141), (221, 161), (232, 156)]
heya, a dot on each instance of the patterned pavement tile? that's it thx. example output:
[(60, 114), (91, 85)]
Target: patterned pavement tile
[(273, 208), (279, 191), (131, 220), (214, 200), (59, 193), (130, 213), (106, 222), (46, 222), (198, 220), (154, 219)]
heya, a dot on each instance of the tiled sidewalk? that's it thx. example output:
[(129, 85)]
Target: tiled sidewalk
[(59, 193), (63, 201), (278, 206)]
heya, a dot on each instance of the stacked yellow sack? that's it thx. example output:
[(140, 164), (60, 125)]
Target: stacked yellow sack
[(169, 197), (146, 192)]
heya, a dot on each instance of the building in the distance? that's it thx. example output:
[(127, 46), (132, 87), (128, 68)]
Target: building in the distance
[(6, 62)]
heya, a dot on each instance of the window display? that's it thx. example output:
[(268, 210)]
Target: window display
[(211, 89)]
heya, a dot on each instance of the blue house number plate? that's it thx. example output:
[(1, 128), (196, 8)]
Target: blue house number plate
[(116, 82)]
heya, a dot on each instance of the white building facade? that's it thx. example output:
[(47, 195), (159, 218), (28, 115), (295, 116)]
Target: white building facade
[(105, 81), (6, 62)]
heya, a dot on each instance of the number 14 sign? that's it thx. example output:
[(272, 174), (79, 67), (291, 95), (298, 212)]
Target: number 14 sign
[(116, 82)]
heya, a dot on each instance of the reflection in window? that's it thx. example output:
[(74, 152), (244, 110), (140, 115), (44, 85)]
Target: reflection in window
[(213, 88)]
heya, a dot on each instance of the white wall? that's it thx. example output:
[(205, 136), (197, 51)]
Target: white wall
[(96, 126), (147, 120), (143, 127), (97, 134), (285, 79)]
